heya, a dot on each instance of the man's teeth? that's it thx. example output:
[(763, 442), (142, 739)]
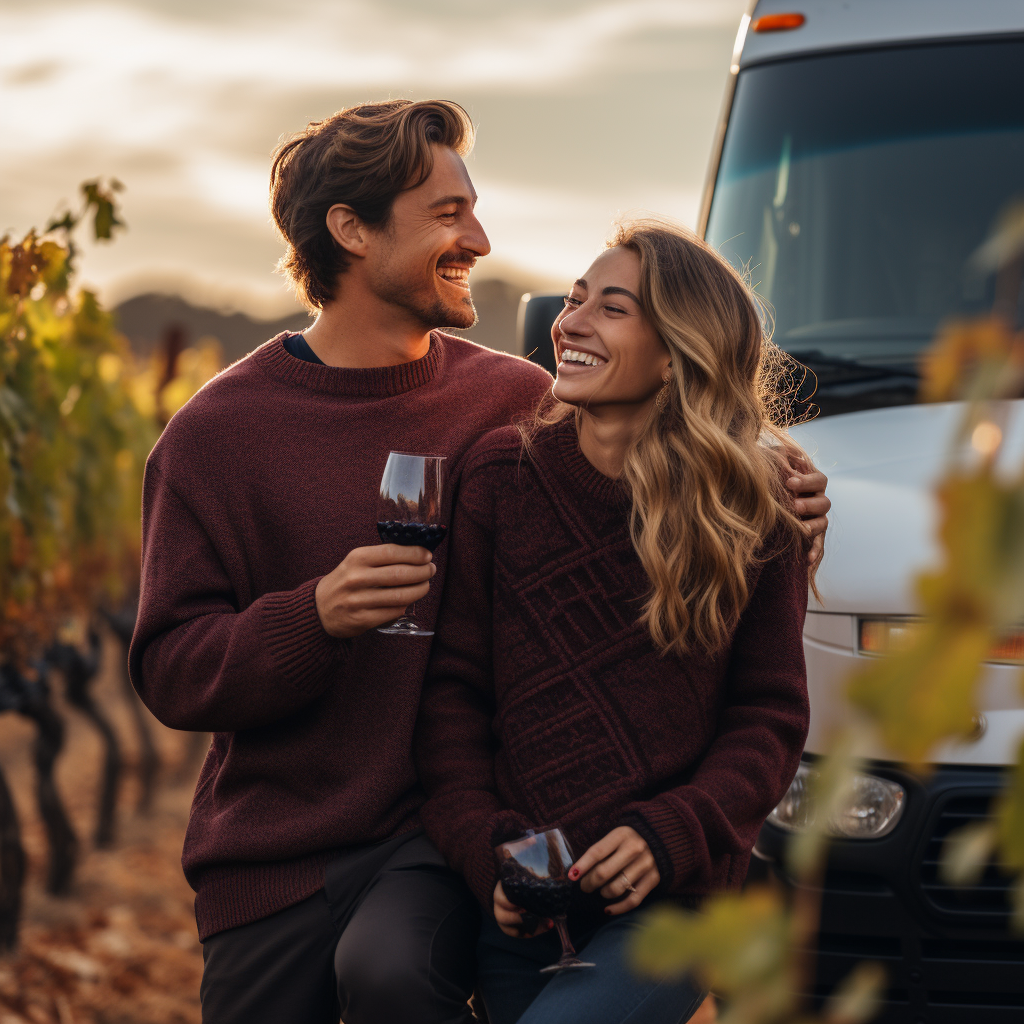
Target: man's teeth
[(457, 275), (571, 356)]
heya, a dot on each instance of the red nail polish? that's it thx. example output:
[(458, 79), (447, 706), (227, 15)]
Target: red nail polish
[(574, 874), (608, 911)]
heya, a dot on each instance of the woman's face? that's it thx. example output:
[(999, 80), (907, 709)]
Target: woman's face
[(607, 352)]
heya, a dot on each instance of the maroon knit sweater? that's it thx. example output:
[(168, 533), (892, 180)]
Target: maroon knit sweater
[(258, 487), (547, 703)]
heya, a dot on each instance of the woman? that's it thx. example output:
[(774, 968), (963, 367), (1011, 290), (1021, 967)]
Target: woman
[(619, 648)]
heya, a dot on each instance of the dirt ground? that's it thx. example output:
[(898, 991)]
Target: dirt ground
[(122, 947)]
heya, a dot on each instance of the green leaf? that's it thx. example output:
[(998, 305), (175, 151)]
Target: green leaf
[(66, 223), (101, 200)]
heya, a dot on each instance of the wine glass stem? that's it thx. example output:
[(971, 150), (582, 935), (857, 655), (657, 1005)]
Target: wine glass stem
[(563, 934)]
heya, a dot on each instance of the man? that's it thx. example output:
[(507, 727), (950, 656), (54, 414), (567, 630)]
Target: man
[(316, 893)]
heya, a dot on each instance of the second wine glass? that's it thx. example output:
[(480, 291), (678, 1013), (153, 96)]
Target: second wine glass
[(409, 513), (534, 872)]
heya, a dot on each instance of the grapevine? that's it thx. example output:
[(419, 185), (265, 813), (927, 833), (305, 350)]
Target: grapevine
[(73, 438), (78, 417)]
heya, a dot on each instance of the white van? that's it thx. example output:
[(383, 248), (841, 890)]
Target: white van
[(867, 148)]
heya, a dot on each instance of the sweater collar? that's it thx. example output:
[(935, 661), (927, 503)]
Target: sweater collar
[(374, 382), (605, 489)]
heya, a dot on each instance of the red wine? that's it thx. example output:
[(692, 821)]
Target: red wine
[(545, 897), (424, 535)]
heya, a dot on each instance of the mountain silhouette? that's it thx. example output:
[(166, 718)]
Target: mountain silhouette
[(145, 320)]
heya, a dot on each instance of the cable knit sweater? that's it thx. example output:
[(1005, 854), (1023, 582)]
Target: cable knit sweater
[(546, 702), (258, 487)]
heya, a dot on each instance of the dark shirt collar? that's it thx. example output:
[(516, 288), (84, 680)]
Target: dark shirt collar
[(374, 382)]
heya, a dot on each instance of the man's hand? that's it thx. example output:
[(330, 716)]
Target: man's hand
[(516, 922), (811, 505), (620, 862), (372, 586)]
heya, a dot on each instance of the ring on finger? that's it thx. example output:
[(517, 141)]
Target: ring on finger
[(629, 884)]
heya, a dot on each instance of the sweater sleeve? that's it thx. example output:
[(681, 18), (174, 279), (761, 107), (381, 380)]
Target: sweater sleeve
[(696, 828), (463, 815), (197, 659)]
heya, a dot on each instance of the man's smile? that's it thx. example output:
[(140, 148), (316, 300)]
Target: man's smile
[(457, 276)]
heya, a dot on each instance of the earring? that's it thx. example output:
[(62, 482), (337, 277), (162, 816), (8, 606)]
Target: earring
[(661, 401)]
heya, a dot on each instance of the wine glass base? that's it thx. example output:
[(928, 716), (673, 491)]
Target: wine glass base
[(405, 627), (565, 965)]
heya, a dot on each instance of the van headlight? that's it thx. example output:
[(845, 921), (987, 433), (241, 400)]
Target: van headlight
[(869, 808)]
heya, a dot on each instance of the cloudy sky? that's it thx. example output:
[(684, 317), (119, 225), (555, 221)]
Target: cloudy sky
[(585, 110)]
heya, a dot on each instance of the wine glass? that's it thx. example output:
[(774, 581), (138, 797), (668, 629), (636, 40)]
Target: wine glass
[(409, 513), (534, 873)]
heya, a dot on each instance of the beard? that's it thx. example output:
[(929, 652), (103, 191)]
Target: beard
[(426, 305), (460, 313)]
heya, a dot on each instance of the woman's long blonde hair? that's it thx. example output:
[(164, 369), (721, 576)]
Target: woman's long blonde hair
[(705, 472)]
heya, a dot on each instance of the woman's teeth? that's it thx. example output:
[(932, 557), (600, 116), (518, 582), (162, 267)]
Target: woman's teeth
[(458, 276), (571, 356)]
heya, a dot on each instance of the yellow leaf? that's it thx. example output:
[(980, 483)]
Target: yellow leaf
[(966, 852), (1017, 898), (175, 395), (858, 997), (735, 940), (1009, 813), (926, 694), (966, 354), (109, 367)]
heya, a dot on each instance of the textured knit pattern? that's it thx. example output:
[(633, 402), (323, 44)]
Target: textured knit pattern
[(547, 703), (258, 487)]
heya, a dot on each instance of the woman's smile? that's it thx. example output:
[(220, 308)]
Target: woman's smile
[(578, 360)]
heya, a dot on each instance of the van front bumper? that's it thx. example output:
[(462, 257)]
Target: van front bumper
[(949, 952)]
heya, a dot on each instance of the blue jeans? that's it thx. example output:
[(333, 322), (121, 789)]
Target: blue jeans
[(514, 990)]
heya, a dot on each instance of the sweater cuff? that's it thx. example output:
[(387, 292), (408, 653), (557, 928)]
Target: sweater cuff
[(669, 837), (295, 636), (481, 865)]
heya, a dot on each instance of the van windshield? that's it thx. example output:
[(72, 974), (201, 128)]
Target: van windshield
[(858, 191)]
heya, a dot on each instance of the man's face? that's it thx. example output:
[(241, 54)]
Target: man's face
[(421, 260)]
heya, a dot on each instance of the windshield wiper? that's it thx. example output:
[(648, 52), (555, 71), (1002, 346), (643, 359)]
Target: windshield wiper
[(843, 366), (842, 376)]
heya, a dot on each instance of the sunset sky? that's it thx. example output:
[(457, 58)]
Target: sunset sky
[(585, 111)]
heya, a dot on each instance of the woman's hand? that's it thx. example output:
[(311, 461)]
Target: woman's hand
[(616, 864), (515, 922)]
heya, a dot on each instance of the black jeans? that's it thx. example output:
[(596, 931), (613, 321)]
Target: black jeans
[(390, 939)]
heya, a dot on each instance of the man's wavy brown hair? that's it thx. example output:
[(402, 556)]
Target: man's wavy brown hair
[(706, 471), (363, 157)]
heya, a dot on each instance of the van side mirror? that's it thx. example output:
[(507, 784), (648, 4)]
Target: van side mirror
[(533, 328)]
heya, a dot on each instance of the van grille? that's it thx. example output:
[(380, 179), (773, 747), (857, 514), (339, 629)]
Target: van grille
[(989, 899), (949, 954)]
